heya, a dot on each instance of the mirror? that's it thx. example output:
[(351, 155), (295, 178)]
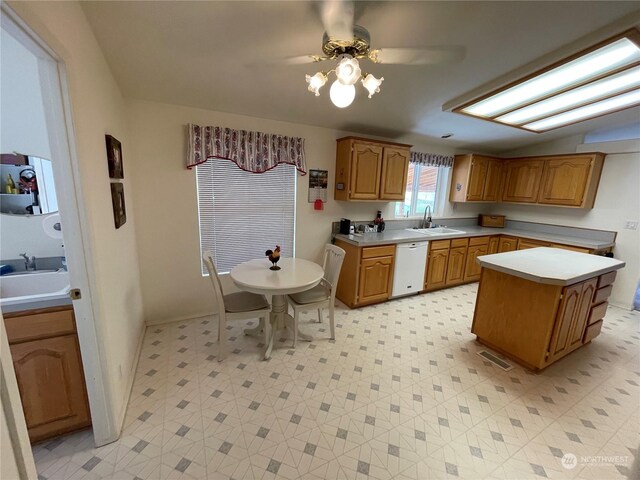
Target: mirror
[(27, 186)]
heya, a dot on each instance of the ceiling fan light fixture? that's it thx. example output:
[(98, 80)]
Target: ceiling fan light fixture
[(372, 84), (342, 95), (348, 70), (316, 82)]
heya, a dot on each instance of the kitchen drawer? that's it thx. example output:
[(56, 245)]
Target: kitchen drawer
[(439, 244), (569, 247), (29, 325), (381, 251), (459, 242), (598, 312), (496, 221), (592, 331), (602, 294), (473, 241), (606, 279)]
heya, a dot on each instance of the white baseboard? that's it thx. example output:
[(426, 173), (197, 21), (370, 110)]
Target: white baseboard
[(178, 319), (132, 375)]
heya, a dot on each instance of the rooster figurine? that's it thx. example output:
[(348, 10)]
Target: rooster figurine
[(274, 256)]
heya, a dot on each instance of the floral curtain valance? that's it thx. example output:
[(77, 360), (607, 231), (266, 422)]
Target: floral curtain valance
[(254, 152), (431, 159)]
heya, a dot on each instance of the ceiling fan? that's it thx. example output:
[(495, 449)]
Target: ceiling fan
[(348, 43)]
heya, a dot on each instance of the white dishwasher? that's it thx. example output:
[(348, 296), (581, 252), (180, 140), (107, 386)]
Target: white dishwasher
[(408, 274)]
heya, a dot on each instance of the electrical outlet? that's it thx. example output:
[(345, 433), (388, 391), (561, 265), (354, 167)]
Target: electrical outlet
[(630, 225)]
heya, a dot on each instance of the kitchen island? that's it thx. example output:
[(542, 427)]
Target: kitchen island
[(537, 305)]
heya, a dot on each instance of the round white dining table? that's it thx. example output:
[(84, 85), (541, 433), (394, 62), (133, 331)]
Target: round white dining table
[(295, 275)]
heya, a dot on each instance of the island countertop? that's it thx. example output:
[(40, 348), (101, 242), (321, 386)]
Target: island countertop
[(552, 266)]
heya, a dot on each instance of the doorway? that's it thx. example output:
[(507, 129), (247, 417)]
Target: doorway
[(54, 135)]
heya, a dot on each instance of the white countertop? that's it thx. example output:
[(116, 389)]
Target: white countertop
[(402, 236), (553, 266)]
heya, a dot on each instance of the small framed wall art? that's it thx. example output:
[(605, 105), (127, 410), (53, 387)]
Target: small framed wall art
[(318, 182), (114, 157), (117, 200)]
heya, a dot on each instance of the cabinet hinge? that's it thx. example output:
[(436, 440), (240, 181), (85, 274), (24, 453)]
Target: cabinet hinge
[(546, 355), (561, 296)]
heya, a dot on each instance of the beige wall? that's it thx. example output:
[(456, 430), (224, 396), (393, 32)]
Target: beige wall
[(98, 109), (167, 210), (617, 200)]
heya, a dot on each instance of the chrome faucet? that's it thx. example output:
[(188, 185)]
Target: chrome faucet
[(29, 262), (426, 220)]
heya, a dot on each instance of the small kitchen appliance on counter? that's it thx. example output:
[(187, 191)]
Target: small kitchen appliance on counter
[(345, 226)]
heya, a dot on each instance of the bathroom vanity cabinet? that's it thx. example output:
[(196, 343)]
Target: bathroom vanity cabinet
[(46, 358)]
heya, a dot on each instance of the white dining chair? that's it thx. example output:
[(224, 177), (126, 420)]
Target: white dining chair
[(235, 306), (322, 295)]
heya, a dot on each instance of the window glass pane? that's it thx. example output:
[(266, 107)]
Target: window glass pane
[(404, 208), (242, 214), (426, 195)]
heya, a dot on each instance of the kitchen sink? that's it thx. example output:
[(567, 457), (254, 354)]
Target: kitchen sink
[(436, 231)]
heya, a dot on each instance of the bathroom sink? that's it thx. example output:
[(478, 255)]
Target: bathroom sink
[(436, 231)]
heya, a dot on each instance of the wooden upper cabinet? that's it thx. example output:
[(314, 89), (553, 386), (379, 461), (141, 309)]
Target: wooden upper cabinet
[(522, 180), (476, 178), (570, 180), (395, 167), (370, 170), (366, 160)]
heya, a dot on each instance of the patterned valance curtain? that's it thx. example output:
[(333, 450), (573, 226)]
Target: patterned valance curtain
[(431, 159), (254, 152)]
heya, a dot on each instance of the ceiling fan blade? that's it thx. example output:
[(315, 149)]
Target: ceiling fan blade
[(289, 61), (337, 18), (418, 56)]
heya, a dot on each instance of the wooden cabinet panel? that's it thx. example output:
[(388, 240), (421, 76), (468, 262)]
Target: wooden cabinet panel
[(565, 180), (522, 180), (582, 315), (478, 241), (395, 166), (493, 182), (606, 279), (439, 244), (31, 325), (365, 171), (455, 265), (524, 243), (380, 251), (493, 245), (477, 177), (568, 247), (376, 275), (472, 268), (436, 269), (592, 331), (572, 318), (507, 244), (51, 384), (598, 312)]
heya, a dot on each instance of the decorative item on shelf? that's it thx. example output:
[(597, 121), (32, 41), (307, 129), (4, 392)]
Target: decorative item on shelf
[(114, 157), (379, 222), (274, 257), (28, 182)]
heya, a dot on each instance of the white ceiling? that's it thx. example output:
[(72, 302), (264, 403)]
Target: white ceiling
[(215, 55)]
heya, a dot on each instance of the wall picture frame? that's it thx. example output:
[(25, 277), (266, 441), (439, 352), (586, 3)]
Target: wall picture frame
[(117, 201), (114, 157)]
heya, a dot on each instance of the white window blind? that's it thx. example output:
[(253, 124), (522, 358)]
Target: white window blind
[(242, 214)]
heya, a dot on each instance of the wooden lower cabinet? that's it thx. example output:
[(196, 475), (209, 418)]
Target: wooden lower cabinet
[(472, 267), (494, 242), (46, 358), (455, 265), (376, 275), (524, 243), (507, 244), (366, 276), (436, 274), (532, 323)]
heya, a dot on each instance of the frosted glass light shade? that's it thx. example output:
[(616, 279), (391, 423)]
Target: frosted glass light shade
[(372, 84), (316, 82), (342, 95), (348, 70)]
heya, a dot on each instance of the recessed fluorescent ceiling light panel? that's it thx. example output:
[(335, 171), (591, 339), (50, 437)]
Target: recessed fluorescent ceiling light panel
[(602, 79)]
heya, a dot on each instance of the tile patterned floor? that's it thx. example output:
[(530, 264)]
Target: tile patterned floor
[(400, 394)]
